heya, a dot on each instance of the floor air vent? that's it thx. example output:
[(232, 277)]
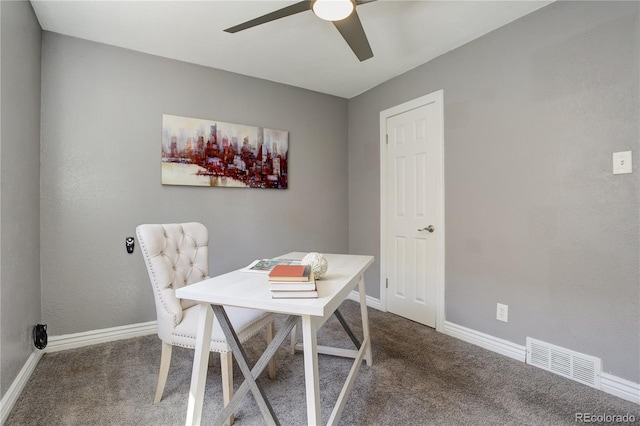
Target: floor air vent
[(573, 365)]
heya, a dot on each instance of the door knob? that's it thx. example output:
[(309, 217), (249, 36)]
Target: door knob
[(429, 228)]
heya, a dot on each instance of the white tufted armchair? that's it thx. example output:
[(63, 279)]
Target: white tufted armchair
[(177, 255)]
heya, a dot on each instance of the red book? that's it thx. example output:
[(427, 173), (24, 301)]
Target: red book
[(290, 273)]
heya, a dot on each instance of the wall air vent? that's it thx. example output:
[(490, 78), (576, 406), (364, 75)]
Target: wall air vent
[(573, 365)]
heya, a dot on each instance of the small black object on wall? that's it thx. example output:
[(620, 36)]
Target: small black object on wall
[(40, 336), (130, 244)]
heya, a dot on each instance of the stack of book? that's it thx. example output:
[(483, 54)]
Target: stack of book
[(292, 281)]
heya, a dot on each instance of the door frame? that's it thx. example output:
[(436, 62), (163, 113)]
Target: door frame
[(438, 98)]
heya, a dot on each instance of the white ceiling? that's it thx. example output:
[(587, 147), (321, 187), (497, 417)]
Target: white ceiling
[(300, 50)]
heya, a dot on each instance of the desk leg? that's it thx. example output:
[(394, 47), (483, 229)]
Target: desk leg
[(311, 374), (249, 382), (241, 360), (200, 362), (365, 320)]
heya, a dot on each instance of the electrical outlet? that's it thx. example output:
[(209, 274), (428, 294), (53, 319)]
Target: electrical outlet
[(502, 312)]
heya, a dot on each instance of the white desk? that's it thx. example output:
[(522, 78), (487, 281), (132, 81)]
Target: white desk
[(251, 290)]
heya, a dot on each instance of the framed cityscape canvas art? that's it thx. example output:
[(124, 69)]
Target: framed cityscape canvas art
[(214, 153)]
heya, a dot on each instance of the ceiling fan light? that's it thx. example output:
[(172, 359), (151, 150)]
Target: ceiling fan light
[(332, 10)]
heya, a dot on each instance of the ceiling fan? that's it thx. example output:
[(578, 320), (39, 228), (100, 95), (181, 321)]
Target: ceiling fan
[(341, 12)]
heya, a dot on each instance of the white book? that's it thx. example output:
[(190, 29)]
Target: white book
[(292, 285), (310, 294)]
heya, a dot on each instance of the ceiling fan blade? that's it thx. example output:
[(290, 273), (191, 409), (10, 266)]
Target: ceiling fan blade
[(281, 13), (353, 33)]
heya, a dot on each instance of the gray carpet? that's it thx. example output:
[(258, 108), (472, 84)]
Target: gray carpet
[(418, 377)]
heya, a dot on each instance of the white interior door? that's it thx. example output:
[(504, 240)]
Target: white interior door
[(413, 210)]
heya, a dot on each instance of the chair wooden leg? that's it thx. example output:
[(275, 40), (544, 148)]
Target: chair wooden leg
[(271, 331), (226, 365), (165, 361)]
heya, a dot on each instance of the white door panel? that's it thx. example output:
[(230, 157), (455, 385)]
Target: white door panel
[(412, 199)]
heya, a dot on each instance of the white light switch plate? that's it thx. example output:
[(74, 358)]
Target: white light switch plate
[(622, 162)]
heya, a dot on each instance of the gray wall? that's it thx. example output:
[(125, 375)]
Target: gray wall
[(534, 217), (20, 186), (101, 136)]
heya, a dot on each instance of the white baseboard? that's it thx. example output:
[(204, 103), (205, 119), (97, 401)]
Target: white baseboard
[(610, 384), (372, 302), (86, 338), (64, 342), (11, 396), (495, 344), (621, 388)]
